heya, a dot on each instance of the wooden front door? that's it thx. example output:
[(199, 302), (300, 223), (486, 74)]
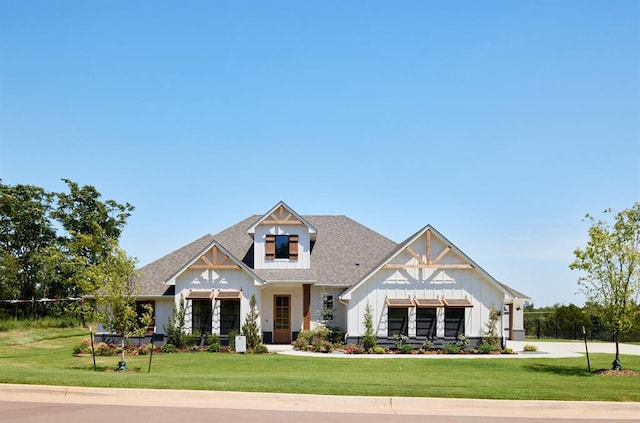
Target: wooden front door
[(281, 319)]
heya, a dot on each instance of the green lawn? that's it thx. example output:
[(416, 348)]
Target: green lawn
[(44, 357)]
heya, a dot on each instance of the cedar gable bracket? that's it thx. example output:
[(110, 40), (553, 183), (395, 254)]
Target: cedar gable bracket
[(428, 262), (214, 259), (282, 216)]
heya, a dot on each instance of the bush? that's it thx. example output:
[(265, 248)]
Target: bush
[(485, 348), (169, 348), (354, 349), (303, 340), (379, 350), (451, 348), (232, 339), (214, 347), (261, 349), (530, 348), (405, 348), (428, 345)]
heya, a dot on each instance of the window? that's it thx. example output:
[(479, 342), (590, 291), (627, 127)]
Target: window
[(281, 247), (201, 314), (426, 322), (453, 322), (398, 321), (229, 316)]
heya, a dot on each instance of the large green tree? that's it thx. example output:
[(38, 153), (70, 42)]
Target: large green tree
[(610, 265), (26, 238), (48, 240)]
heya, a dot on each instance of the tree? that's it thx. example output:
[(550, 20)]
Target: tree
[(116, 296), (491, 337), (90, 227), (250, 328), (369, 340), (611, 266), (26, 236), (174, 328)]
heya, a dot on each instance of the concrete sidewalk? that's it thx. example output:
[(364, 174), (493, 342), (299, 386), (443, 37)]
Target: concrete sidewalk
[(321, 403), (545, 349)]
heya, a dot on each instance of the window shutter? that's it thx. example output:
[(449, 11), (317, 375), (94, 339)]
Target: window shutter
[(270, 247), (293, 247)]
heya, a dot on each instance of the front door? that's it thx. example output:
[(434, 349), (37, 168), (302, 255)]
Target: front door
[(282, 319)]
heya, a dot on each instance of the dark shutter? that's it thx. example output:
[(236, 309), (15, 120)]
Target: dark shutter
[(293, 247), (270, 247)]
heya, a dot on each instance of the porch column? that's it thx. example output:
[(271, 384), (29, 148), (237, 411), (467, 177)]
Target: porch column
[(306, 307), (511, 321)]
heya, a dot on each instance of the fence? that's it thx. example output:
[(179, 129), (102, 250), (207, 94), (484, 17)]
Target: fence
[(558, 329)]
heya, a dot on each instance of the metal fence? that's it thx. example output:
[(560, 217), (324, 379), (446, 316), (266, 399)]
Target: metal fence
[(558, 329)]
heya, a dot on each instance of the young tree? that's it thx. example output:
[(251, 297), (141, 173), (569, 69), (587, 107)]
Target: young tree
[(114, 277), (611, 266), (174, 328), (250, 329), (369, 340), (491, 337)]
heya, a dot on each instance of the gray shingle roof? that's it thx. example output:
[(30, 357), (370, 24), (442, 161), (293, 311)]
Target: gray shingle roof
[(344, 251)]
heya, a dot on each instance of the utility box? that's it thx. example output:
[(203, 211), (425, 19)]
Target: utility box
[(241, 344)]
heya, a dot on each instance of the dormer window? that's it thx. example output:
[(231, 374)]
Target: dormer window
[(281, 247)]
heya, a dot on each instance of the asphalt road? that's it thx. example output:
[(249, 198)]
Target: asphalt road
[(33, 403), (30, 412)]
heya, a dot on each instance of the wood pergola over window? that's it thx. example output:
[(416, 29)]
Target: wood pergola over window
[(428, 302), (458, 302), (200, 294), (399, 302)]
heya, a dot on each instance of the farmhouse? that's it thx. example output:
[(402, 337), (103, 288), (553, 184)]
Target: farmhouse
[(311, 270)]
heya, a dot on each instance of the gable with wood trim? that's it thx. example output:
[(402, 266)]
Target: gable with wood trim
[(430, 290)]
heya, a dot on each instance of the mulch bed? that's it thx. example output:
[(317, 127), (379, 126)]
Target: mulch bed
[(621, 372)]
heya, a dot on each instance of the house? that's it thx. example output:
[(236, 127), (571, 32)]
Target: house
[(309, 270)]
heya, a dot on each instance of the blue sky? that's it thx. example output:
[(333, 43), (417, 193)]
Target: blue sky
[(500, 123)]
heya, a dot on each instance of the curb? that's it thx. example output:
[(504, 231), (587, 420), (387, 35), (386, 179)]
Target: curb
[(320, 403)]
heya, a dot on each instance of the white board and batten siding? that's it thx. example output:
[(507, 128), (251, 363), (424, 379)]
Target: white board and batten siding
[(416, 282), (219, 280), (304, 242)]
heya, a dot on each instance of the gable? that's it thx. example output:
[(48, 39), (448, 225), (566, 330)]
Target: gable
[(430, 254), (281, 214), (213, 257)]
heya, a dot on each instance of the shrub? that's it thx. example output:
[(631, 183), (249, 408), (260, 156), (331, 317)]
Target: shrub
[(428, 345), (214, 347), (463, 342), (232, 339), (451, 348), (213, 339), (379, 350), (530, 347), (103, 349), (303, 340), (322, 345), (485, 348), (405, 348), (169, 348), (507, 351), (261, 349), (354, 349)]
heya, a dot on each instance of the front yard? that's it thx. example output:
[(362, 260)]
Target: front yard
[(28, 358)]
